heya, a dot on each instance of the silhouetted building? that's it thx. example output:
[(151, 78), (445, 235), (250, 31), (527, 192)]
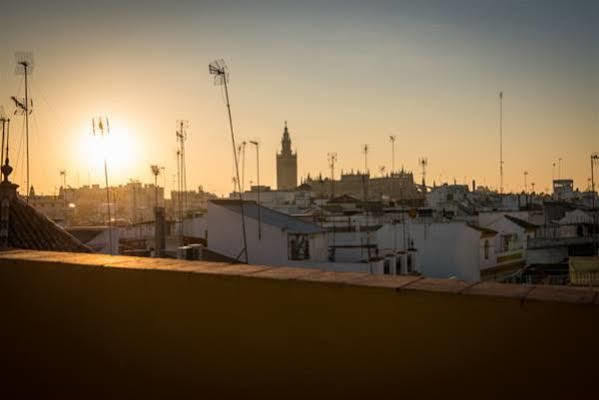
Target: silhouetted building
[(286, 164)]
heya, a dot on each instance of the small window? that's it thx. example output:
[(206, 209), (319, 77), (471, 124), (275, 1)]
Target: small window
[(299, 247)]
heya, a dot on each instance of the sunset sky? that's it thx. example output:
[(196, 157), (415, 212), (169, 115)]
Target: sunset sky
[(342, 73)]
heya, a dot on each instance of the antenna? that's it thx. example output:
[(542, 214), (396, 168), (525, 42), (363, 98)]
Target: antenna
[(594, 160), (257, 144), (63, 174), (183, 127), (365, 151), (559, 168), (101, 127), (242, 151), (501, 142), (220, 71), (5, 123), (332, 158), (155, 171), (24, 66), (179, 193), (525, 181), (423, 162), (392, 138)]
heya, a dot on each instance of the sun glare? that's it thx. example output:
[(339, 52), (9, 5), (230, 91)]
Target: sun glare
[(117, 148)]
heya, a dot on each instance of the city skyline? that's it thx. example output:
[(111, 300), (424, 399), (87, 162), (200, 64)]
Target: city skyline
[(342, 76)]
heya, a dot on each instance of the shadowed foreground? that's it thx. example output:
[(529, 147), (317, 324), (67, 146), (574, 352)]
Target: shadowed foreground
[(90, 325)]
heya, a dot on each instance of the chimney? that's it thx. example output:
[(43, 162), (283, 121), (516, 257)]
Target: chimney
[(473, 185), (159, 232)]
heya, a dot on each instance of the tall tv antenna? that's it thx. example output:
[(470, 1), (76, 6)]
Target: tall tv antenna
[(181, 133), (594, 160), (24, 66), (365, 151), (257, 144), (525, 181), (5, 134), (101, 127), (220, 71), (241, 151), (332, 158), (423, 162), (179, 196), (392, 138), (501, 142)]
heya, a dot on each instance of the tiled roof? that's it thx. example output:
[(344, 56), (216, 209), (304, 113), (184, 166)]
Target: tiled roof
[(29, 229)]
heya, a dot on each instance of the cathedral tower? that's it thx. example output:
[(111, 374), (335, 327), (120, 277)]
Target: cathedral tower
[(286, 164)]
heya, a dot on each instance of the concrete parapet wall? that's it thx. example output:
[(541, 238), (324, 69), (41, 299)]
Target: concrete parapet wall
[(114, 326)]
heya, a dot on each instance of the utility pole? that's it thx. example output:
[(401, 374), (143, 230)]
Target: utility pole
[(255, 143), (365, 151), (332, 158)]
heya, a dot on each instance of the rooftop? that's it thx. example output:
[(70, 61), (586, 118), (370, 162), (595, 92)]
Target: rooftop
[(269, 216)]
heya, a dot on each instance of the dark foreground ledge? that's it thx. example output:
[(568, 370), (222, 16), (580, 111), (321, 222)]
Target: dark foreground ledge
[(115, 326)]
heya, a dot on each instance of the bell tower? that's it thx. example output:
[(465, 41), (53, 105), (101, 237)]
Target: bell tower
[(286, 164)]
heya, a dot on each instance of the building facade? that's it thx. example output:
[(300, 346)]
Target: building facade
[(286, 164)]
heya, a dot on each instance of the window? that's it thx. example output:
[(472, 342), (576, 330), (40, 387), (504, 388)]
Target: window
[(298, 247), (386, 268), (486, 249)]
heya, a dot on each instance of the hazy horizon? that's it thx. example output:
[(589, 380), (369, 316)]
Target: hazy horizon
[(343, 74)]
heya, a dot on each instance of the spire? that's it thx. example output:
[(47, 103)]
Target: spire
[(286, 142)]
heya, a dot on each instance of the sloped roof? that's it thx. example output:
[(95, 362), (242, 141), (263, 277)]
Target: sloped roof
[(29, 229), (268, 216), (576, 217), (86, 234), (485, 232), (522, 223)]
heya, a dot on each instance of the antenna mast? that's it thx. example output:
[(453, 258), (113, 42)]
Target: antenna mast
[(5, 124), (25, 67), (365, 151), (219, 69), (423, 161), (501, 142), (392, 138), (183, 126), (101, 127), (332, 158), (257, 144), (525, 181)]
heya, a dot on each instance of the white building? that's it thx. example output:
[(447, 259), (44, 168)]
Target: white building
[(273, 238)]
